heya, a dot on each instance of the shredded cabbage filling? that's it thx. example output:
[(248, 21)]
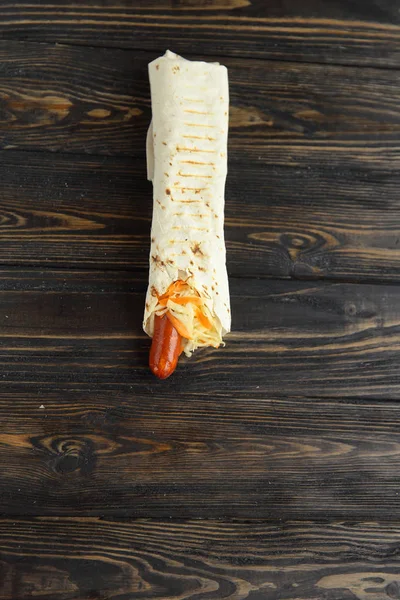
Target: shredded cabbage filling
[(190, 316)]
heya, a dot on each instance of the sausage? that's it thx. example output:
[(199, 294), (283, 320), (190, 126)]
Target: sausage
[(165, 348)]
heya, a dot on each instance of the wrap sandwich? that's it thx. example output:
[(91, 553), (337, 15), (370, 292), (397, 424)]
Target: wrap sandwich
[(187, 302)]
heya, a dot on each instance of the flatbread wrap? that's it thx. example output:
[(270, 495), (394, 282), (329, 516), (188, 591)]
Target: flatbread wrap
[(187, 302)]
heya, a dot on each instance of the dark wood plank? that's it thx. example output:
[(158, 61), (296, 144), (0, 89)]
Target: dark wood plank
[(61, 98), (300, 223), (90, 558), (357, 32), (159, 452), (97, 101), (294, 338), (58, 209)]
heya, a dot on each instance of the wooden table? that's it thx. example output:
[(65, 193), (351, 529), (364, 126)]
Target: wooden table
[(266, 470)]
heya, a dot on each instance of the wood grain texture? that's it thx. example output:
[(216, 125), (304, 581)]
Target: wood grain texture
[(90, 558), (221, 454), (360, 32), (58, 209), (293, 338), (95, 212), (97, 101)]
